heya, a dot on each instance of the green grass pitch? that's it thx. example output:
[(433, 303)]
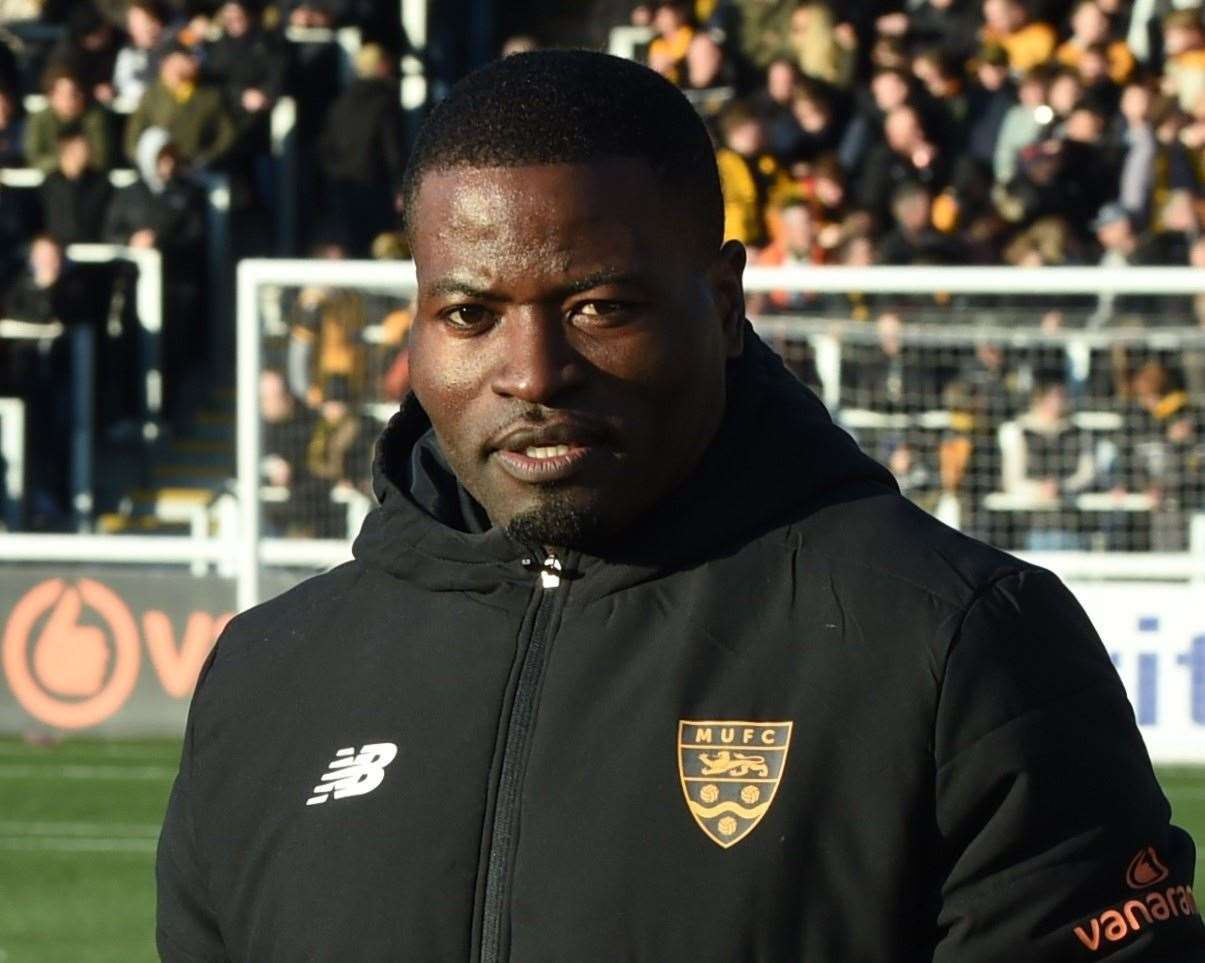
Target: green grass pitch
[(78, 823)]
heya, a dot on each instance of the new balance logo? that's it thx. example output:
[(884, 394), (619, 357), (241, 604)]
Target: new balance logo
[(354, 773)]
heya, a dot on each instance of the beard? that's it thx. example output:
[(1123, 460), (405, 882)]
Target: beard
[(559, 521)]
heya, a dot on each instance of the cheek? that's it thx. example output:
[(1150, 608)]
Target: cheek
[(445, 377)]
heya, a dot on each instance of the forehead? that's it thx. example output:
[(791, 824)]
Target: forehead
[(540, 221)]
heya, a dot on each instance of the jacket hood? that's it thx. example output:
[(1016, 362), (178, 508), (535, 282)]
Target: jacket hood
[(146, 155), (776, 457)]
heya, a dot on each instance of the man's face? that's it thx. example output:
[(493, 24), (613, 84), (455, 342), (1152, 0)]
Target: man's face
[(66, 99), (570, 340), (74, 156), (145, 30)]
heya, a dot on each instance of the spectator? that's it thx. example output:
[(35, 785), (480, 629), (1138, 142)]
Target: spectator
[(12, 129), (751, 179), (48, 290), (1177, 225), (137, 63), (1028, 42), (1090, 29), (889, 375), (825, 50), (75, 197), (812, 131), (1024, 124), (943, 80), (707, 67), (710, 76), (1064, 92), (163, 209), (249, 64), (191, 111), (907, 154), (1069, 177), (1184, 49), (326, 337), (989, 99), (88, 51), (1044, 459), (952, 26), (336, 457), (667, 52), (765, 29), (889, 88), (362, 154), (794, 243), (913, 240), (1140, 149), (66, 105), (288, 427)]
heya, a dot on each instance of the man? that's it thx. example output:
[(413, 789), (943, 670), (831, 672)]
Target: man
[(75, 197), (640, 658), (66, 106), (362, 153), (137, 62), (191, 111)]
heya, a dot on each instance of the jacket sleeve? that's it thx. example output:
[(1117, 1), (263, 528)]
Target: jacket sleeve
[(1055, 840), (186, 928)]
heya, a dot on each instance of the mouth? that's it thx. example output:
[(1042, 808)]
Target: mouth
[(549, 452)]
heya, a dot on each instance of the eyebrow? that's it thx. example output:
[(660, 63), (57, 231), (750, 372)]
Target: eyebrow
[(446, 287)]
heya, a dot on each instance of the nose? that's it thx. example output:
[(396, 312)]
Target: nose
[(539, 363)]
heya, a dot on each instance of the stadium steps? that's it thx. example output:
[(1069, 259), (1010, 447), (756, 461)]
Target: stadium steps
[(185, 472)]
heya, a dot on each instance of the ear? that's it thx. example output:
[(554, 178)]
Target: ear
[(728, 291)]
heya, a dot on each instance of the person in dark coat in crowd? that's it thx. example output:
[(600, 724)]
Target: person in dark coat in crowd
[(75, 198), (89, 50), (361, 151), (163, 209), (49, 289), (249, 65)]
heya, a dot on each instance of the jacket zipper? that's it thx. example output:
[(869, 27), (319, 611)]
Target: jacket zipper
[(514, 756)]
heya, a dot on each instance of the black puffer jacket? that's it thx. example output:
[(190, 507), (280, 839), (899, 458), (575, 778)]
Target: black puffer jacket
[(790, 718)]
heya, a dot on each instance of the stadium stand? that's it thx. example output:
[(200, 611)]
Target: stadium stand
[(928, 135)]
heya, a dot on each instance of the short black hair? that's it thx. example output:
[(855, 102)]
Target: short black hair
[(570, 107)]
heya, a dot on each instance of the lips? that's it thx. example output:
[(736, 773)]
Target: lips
[(548, 452)]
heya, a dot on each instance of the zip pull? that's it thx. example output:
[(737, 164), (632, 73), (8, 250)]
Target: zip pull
[(550, 573), (550, 570)]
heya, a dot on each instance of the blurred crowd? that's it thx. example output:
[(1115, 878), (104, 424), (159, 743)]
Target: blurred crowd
[(922, 132), (976, 132), (143, 123), (1026, 132)]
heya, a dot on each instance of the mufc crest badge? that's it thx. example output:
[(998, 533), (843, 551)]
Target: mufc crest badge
[(730, 773)]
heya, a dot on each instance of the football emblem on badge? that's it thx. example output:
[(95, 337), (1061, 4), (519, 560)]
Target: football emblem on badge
[(730, 772)]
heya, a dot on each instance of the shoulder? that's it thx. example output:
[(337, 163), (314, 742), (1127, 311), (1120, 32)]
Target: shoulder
[(282, 630), (886, 549)]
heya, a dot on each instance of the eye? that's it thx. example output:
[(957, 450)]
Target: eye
[(468, 317), (601, 310)]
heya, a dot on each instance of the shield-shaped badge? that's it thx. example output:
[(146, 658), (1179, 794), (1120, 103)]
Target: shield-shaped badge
[(730, 773)]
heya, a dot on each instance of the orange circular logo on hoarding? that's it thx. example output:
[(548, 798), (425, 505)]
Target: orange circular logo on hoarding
[(67, 673)]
